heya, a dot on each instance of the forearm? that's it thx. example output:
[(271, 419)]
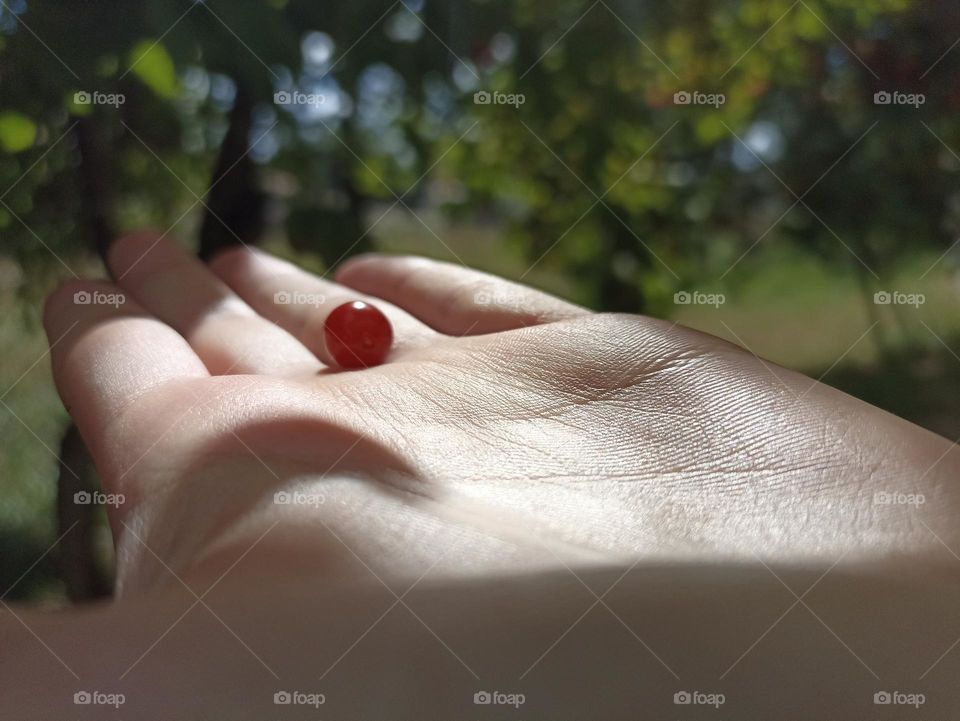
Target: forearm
[(735, 631)]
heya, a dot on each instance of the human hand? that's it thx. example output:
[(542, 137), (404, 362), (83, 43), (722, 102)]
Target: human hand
[(511, 435)]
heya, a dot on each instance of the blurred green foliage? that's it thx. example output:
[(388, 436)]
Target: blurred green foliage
[(598, 172)]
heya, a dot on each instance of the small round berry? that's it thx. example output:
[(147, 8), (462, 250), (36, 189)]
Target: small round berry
[(357, 335)]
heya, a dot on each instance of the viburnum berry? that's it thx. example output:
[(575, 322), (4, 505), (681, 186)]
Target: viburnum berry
[(357, 335)]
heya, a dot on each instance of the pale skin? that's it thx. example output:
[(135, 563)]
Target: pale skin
[(503, 447)]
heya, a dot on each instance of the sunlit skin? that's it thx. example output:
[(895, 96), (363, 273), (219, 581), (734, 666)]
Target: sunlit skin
[(598, 511), (503, 436)]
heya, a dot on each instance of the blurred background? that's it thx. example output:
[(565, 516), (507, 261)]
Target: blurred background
[(781, 174)]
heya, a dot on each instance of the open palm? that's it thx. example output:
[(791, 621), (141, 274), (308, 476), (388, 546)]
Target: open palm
[(508, 430)]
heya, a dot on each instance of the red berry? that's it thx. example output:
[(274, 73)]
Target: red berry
[(357, 335)]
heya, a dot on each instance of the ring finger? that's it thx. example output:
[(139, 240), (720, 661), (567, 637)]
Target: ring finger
[(300, 302)]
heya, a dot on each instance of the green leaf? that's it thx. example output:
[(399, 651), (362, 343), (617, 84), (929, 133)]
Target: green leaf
[(808, 25), (17, 132), (153, 65)]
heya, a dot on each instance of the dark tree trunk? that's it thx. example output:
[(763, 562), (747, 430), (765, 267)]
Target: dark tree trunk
[(234, 204), (83, 578)]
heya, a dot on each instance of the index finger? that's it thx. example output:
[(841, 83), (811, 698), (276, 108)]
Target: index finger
[(106, 352)]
